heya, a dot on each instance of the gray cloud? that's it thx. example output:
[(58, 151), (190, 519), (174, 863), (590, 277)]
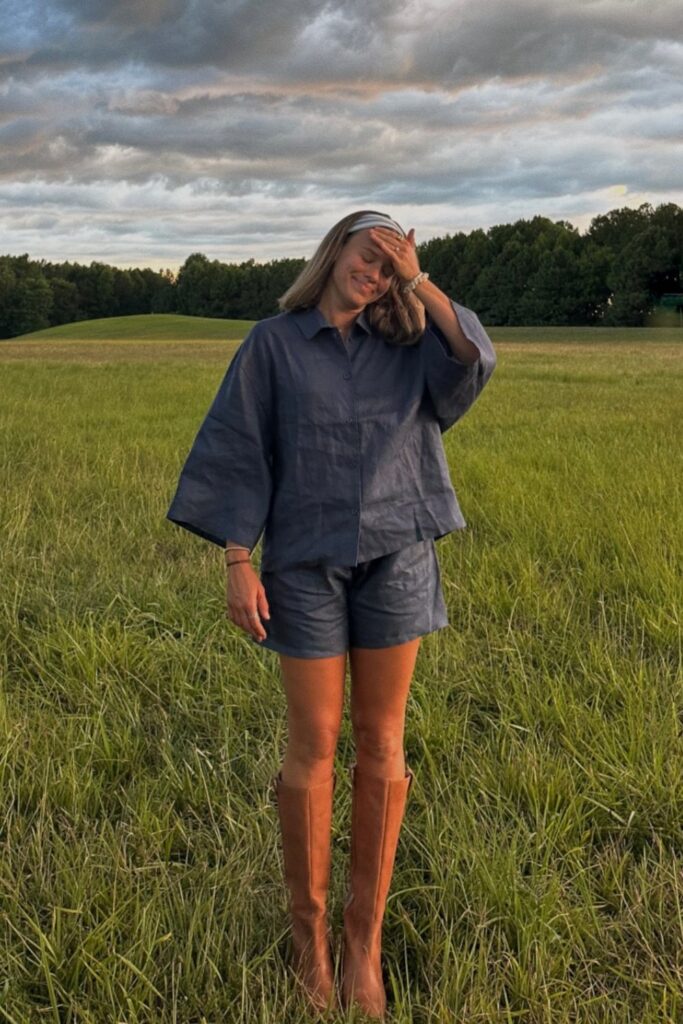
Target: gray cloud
[(311, 40), (141, 131)]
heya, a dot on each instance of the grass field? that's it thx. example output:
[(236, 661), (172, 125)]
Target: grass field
[(539, 872)]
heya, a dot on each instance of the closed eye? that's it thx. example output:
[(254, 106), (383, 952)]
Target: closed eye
[(387, 269)]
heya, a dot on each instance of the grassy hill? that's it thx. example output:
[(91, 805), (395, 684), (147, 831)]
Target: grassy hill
[(145, 327)]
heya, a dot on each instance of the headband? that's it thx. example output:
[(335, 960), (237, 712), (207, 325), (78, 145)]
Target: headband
[(376, 220)]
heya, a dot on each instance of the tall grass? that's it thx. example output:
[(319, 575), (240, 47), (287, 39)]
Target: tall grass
[(538, 877)]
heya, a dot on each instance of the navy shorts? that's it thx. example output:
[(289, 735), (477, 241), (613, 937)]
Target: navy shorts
[(317, 611)]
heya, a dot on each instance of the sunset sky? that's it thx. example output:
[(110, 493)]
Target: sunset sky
[(138, 132)]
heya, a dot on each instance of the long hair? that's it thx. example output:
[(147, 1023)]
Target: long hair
[(399, 317)]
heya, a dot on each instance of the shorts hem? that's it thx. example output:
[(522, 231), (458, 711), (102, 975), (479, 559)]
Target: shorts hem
[(401, 640), (278, 648)]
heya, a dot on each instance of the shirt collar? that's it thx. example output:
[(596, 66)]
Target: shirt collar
[(312, 320)]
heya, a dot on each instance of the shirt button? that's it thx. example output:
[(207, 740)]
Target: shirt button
[(347, 376)]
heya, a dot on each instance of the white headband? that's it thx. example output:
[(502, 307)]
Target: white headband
[(376, 220)]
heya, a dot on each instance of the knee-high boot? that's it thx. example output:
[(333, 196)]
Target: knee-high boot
[(377, 811), (305, 814)]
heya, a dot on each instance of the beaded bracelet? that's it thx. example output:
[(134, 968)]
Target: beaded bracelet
[(418, 279)]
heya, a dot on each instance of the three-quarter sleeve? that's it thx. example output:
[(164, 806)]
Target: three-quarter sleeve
[(225, 485), (453, 385)]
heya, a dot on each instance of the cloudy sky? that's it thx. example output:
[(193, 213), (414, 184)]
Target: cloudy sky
[(139, 131)]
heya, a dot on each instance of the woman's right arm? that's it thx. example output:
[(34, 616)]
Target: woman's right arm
[(226, 483)]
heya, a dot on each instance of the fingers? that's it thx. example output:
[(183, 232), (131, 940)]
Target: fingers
[(391, 239), (249, 621), (388, 247), (387, 235), (255, 626), (262, 603), (385, 239), (249, 618), (401, 251)]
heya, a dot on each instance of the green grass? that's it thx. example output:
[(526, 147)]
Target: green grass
[(539, 873)]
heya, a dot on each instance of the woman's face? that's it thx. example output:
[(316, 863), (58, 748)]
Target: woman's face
[(362, 273)]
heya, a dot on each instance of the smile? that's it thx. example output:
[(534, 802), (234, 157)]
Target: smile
[(364, 285)]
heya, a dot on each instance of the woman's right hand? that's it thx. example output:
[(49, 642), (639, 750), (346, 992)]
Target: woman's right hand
[(246, 599)]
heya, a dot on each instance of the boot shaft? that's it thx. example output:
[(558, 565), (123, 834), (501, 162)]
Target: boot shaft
[(305, 815), (378, 808)]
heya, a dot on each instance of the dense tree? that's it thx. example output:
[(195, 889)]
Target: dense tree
[(25, 297), (192, 285), (36, 294), (65, 308), (615, 229), (161, 290), (646, 265), (241, 291)]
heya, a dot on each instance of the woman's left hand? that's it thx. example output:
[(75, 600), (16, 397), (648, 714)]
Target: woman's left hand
[(401, 251)]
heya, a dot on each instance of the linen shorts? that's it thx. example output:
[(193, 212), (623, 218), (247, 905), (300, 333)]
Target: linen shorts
[(317, 611)]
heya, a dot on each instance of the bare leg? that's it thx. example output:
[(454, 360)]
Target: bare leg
[(380, 682), (314, 688)]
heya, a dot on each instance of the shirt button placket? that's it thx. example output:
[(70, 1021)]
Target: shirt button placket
[(347, 376), (353, 419)]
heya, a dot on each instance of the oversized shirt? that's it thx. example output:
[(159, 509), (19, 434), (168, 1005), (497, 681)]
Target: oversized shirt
[(332, 449)]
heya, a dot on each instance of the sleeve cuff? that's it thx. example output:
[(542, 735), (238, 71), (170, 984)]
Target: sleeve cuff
[(473, 330)]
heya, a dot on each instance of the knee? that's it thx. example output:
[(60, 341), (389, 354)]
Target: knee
[(381, 744), (314, 747)]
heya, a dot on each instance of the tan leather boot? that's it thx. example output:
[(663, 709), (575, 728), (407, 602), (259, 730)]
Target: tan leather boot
[(377, 810), (305, 814)]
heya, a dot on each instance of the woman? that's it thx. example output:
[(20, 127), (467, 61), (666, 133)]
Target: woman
[(326, 434)]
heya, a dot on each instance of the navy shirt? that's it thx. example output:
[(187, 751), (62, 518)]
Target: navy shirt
[(332, 448)]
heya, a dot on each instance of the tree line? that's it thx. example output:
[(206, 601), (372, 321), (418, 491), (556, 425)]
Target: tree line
[(530, 272), (35, 294)]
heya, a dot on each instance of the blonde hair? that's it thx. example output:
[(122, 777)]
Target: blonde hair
[(399, 317)]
